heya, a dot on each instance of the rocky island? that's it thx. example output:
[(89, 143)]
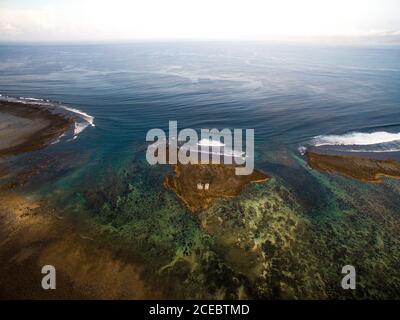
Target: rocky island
[(199, 185)]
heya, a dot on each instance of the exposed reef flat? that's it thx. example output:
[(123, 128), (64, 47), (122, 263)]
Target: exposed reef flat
[(357, 167), (34, 234), (26, 127), (199, 185)]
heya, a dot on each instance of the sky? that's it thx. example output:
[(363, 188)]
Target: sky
[(100, 20)]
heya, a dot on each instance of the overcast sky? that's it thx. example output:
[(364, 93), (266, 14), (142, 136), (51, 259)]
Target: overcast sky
[(99, 20)]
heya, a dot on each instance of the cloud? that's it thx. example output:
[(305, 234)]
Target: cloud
[(19, 23), (207, 19), (7, 28)]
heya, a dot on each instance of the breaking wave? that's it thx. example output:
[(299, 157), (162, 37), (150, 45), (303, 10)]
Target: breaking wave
[(210, 143), (80, 126), (356, 138), (380, 141)]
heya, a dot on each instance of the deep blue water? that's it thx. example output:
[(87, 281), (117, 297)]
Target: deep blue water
[(287, 93)]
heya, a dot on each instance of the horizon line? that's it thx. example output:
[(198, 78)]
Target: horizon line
[(340, 40)]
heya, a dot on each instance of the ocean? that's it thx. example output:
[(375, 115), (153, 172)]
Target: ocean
[(285, 92), (293, 96)]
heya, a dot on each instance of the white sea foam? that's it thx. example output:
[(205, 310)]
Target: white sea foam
[(375, 142), (55, 141), (79, 127), (223, 152), (30, 99), (210, 143), (88, 120), (356, 139), (302, 150)]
